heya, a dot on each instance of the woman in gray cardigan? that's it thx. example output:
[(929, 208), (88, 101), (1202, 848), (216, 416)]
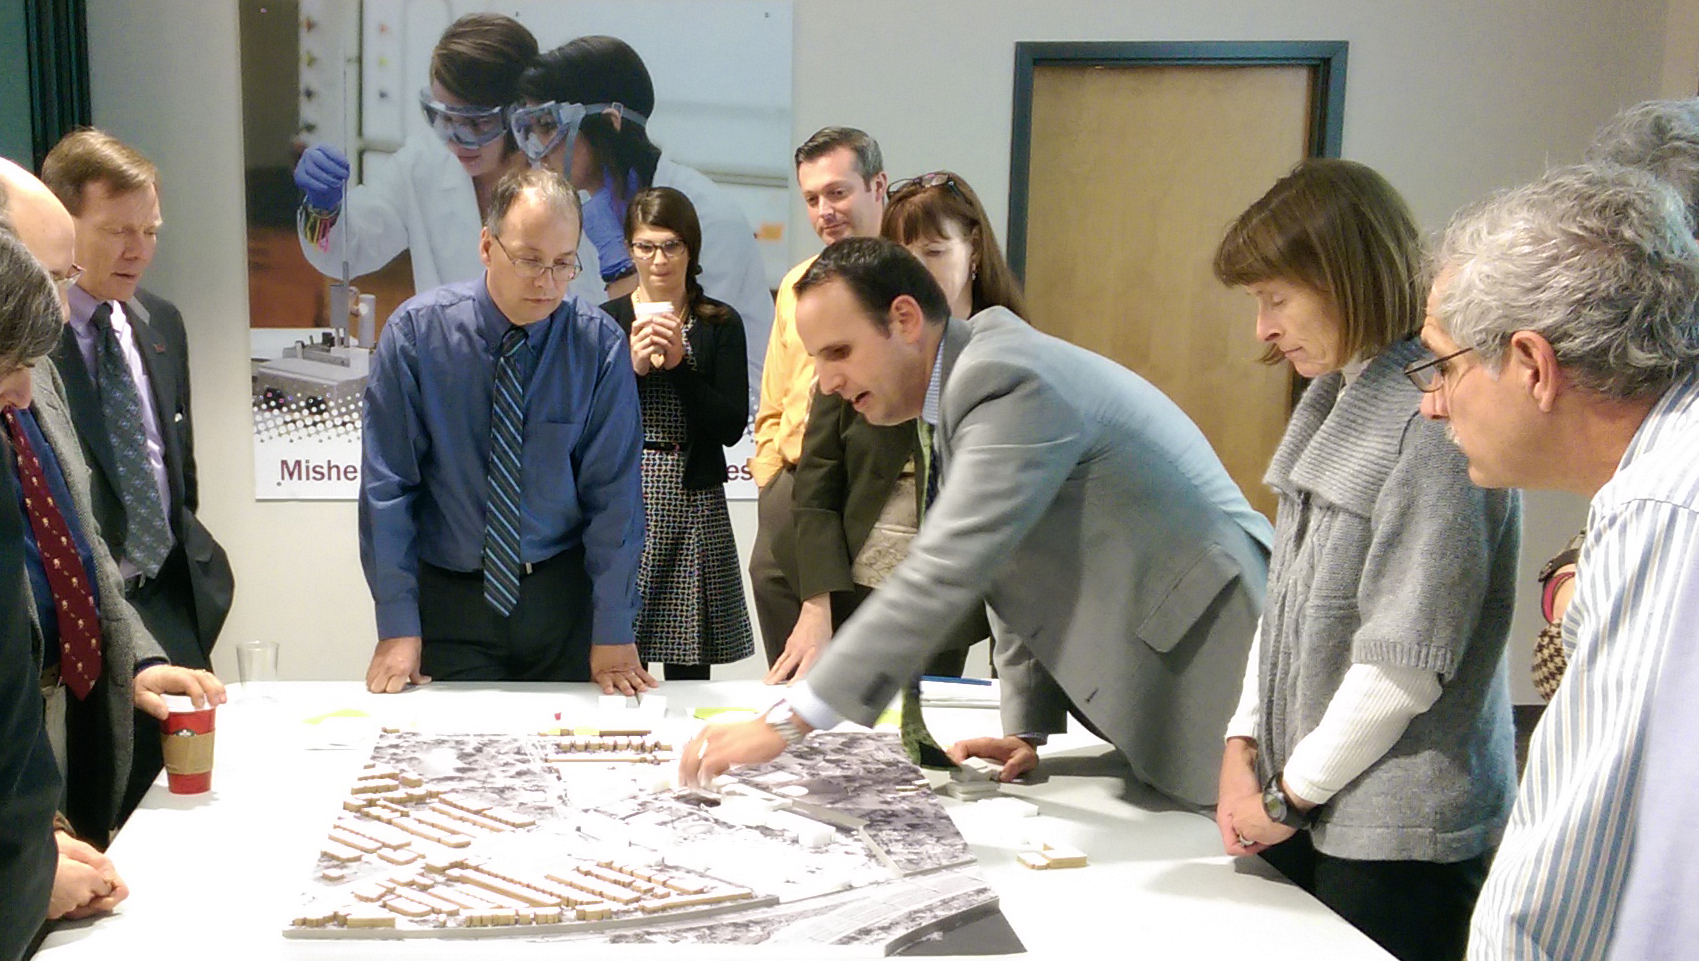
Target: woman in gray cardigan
[(1371, 757)]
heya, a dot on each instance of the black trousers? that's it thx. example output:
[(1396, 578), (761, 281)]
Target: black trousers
[(1413, 909), (546, 638)]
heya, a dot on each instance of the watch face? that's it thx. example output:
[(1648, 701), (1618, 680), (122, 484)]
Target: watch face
[(1274, 805)]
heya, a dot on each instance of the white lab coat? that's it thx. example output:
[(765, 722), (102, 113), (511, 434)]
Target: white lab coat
[(422, 202), (731, 263)]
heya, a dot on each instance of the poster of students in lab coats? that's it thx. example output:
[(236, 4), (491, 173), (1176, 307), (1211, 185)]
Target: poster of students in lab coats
[(375, 130)]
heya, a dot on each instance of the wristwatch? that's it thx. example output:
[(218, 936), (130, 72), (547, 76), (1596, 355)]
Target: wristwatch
[(783, 719), (1279, 807)]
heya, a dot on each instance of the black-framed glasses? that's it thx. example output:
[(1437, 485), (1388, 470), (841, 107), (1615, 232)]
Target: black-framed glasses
[(937, 178), (533, 269), (647, 250), (1430, 374)]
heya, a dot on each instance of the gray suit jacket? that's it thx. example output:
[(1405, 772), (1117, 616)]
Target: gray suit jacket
[(94, 803), (1123, 568)]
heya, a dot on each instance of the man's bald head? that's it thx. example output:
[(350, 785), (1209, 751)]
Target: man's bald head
[(40, 220)]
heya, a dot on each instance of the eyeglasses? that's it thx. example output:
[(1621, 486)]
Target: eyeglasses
[(1430, 374), (937, 178), (533, 269), (64, 283), (674, 249), (468, 127)]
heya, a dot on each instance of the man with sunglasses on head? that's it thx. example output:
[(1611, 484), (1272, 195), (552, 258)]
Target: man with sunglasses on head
[(501, 504), (430, 199)]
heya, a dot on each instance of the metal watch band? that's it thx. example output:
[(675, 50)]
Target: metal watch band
[(781, 718)]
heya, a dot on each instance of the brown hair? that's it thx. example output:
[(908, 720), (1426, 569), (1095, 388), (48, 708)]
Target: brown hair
[(868, 160), (668, 209), (1340, 229), (552, 187), (480, 56), (86, 156), (916, 212)]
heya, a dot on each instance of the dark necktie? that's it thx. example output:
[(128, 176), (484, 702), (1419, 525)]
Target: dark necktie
[(73, 599), (501, 512), (147, 537), (922, 747)]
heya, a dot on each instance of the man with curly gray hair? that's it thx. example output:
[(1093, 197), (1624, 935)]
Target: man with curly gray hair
[(1563, 317), (1660, 137)]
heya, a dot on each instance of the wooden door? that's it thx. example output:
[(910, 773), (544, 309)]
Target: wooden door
[(1134, 172)]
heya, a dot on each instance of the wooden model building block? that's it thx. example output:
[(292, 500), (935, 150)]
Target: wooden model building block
[(1054, 856), (340, 852)]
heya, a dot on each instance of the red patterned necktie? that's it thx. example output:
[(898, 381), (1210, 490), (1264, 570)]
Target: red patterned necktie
[(73, 599)]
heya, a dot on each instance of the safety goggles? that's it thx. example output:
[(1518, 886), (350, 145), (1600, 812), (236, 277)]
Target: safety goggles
[(541, 128), (468, 127)]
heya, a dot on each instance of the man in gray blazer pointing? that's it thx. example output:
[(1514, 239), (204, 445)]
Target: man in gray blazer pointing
[(1123, 569)]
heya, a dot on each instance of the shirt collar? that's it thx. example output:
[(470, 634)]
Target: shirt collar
[(1680, 397), (493, 324), (934, 389), (83, 306)]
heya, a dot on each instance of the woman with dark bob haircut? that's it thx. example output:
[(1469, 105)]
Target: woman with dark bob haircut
[(1370, 758), (687, 350), (585, 113)]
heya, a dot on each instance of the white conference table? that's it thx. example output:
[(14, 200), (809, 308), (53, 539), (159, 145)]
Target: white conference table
[(219, 874)]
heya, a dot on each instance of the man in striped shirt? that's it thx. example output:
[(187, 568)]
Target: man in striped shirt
[(1563, 317)]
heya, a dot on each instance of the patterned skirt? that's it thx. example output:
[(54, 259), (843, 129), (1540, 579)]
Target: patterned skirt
[(693, 609)]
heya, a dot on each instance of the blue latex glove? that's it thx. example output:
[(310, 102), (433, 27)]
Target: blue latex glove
[(321, 175), (604, 224)]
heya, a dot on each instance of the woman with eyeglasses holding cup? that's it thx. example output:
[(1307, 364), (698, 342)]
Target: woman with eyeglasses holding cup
[(1371, 756), (687, 350), (858, 492), (584, 112), (430, 199)]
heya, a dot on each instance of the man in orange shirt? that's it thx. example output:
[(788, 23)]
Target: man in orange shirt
[(842, 178)]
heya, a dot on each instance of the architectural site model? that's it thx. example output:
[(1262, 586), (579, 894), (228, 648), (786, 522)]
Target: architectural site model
[(580, 834)]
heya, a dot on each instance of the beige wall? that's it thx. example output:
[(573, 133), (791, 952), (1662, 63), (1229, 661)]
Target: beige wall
[(1450, 99)]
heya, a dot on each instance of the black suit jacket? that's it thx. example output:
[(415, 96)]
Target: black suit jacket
[(29, 780), (164, 348), (715, 394), (847, 472)]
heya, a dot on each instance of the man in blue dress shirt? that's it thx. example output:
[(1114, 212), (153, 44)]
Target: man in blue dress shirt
[(501, 506)]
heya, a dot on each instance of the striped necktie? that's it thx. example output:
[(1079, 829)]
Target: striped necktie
[(918, 742), (73, 598), (501, 512), (147, 537)]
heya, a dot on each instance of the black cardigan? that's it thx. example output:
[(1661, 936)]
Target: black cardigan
[(714, 394)]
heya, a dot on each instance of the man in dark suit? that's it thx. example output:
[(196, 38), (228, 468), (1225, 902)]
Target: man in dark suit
[(96, 662), (125, 365), (29, 780)]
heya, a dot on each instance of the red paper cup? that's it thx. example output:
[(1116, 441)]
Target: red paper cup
[(187, 739)]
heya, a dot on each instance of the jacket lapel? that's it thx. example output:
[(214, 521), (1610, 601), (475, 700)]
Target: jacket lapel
[(84, 402), (957, 333)]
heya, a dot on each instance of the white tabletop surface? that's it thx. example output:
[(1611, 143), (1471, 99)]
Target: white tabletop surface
[(219, 874)]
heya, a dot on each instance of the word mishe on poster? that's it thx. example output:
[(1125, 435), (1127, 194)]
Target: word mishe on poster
[(318, 300)]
